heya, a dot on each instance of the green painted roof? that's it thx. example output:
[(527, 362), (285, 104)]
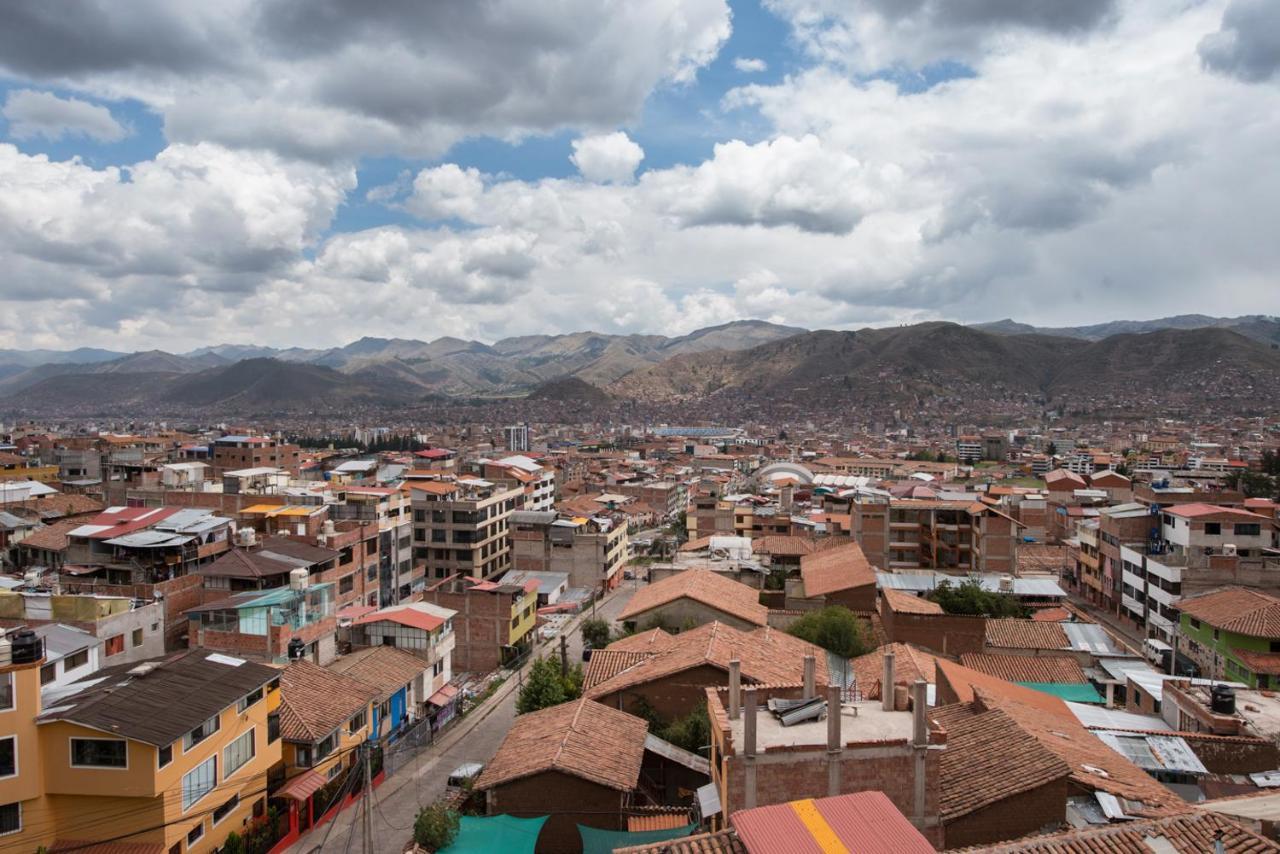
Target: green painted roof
[(1075, 693)]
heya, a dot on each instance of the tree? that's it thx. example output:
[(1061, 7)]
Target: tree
[(969, 597), (1052, 450), (436, 826), (595, 633), (545, 686), (233, 844), (692, 732), (835, 628)]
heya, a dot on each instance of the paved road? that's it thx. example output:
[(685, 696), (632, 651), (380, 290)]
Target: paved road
[(475, 739)]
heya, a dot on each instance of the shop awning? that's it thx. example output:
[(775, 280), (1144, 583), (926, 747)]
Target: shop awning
[(444, 696), (303, 786)]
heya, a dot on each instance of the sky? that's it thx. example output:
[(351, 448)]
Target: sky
[(179, 173)]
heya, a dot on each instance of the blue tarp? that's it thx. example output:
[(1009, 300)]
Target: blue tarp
[(597, 841), (505, 833)]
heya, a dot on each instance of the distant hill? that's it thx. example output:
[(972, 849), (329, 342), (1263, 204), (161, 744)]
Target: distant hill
[(259, 384), (571, 390), (1259, 327)]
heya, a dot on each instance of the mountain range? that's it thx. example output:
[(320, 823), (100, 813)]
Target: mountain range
[(1232, 362)]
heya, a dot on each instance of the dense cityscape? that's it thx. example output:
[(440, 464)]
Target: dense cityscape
[(662, 427)]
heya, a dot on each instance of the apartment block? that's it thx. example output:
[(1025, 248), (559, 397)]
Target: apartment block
[(493, 622), (248, 452), (591, 550), (955, 536), (461, 526)]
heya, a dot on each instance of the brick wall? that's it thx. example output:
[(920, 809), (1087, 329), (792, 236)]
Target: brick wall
[(1040, 809), (179, 594), (1235, 755), (949, 634), (671, 697), (552, 792)]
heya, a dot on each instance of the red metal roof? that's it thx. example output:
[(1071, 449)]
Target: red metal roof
[(303, 786), (862, 822), (411, 617), (125, 520)]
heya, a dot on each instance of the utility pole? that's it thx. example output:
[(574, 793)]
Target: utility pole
[(564, 655), (367, 826)]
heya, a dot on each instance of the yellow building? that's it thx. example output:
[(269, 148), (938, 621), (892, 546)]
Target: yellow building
[(171, 755)]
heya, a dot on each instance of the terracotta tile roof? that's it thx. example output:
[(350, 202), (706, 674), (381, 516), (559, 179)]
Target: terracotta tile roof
[(660, 818), (582, 738), (1191, 833), (607, 663), (705, 587), (1259, 662), (51, 538), (383, 668), (1200, 510), (1238, 610), (315, 701), (908, 603), (1024, 668), (1026, 634), (768, 657), (1042, 557), (653, 640), (909, 664), (833, 570), (1051, 615), (720, 842), (65, 504), (1094, 765), (781, 545), (990, 758)]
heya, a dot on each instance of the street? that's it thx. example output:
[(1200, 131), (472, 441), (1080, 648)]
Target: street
[(473, 739)]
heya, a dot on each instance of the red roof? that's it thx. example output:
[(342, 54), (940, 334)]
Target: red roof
[(405, 616), (118, 521), (433, 454), (1201, 509), (865, 822)]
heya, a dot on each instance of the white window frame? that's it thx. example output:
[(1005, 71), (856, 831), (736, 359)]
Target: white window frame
[(187, 806), (227, 770), (14, 739), (72, 754), (18, 804), (217, 821), (217, 720), (197, 826), (7, 681)]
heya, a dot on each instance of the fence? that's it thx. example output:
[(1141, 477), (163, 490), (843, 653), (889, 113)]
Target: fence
[(409, 743)]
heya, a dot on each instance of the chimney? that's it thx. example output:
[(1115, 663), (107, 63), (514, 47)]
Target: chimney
[(919, 710), (735, 688), (810, 674), (749, 724), (833, 717), (886, 682), (784, 499)]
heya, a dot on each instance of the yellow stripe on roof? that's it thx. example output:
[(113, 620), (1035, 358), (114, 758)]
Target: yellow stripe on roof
[(818, 828), (299, 510), (263, 508)]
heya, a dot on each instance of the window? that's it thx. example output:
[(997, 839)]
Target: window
[(226, 809), (237, 753), (136, 640), (327, 746), (248, 700), (48, 673), (79, 659), (437, 668), (1195, 624), (1215, 634), (114, 645), (1275, 646), (10, 818), (195, 833), (200, 733), (6, 692), (199, 782), (302, 757), (99, 753), (357, 722), (164, 756), (273, 727), (1213, 529), (8, 756), (1248, 529), (347, 583)]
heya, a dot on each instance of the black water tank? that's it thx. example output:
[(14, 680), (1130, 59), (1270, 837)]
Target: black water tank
[(27, 646), (297, 649), (1223, 700)]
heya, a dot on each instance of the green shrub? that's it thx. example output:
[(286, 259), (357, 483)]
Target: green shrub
[(436, 826)]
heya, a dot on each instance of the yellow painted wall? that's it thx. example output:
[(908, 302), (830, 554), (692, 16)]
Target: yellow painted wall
[(526, 608)]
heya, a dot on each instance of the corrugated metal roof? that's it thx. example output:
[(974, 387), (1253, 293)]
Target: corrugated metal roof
[(1090, 637), (862, 822), (1154, 752)]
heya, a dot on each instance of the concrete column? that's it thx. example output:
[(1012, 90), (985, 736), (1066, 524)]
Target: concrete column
[(810, 674), (835, 740), (919, 712), (920, 740), (749, 749), (735, 688), (1111, 695), (886, 682)]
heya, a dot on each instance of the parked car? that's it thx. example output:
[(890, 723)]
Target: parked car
[(464, 775)]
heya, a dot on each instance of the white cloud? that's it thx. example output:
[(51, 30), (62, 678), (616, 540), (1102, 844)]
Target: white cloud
[(611, 157), (1248, 43), (43, 114), (748, 65), (326, 79), (446, 191)]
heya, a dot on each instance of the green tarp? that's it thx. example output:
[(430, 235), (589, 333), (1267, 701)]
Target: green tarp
[(1076, 693), (596, 841), (483, 834)]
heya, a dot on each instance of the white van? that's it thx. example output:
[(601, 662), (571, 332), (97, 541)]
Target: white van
[(1157, 651)]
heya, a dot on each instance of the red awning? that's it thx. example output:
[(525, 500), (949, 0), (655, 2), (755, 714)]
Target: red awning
[(303, 786), (444, 696)]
